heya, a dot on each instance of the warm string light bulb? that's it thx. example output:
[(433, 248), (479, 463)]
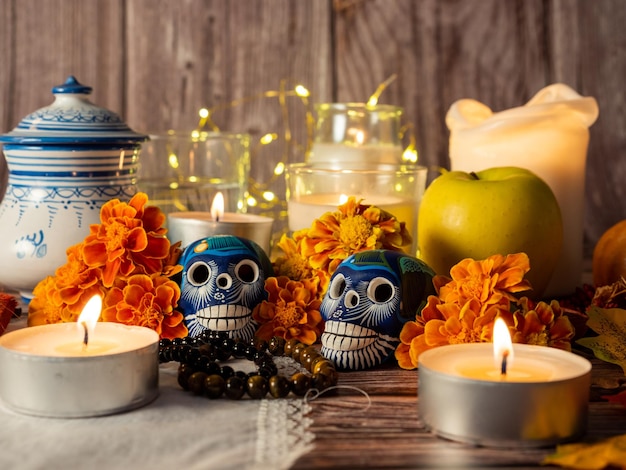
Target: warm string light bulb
[(261, 194)]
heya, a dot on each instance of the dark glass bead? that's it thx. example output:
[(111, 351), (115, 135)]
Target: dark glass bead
[(239, 350), (297, 350), (165, 354), (289, 345), (279, 386), (241, 374), (176, 353), (265, 372), (330, 372), (193, 342), (177, 341), (307, 362), (257, 386), (261, 358), (196, 382), (222, 354), (213, 335), (202, 364), (277, 346), (214, 386), (300, 383), (320, 365), (184, 372), (163, 342), (235, 387), (251, 352), (252, 374), (260, 344), (192, 355), (204, 336), (207, 350), (228, 344), (226, 372), (323, 381)]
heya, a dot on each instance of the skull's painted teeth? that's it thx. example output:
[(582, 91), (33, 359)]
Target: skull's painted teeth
[(224, 317), (342, 328)]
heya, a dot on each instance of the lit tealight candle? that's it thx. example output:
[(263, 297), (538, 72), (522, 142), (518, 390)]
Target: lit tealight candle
[(504, 395), (188, 227), (58, 370)]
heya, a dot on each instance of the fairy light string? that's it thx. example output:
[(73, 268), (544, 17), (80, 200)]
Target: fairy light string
[(261, 195)]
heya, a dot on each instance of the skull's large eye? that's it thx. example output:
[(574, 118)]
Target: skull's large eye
[(337, 286), (380, 290), (198, 273), (247, 271)]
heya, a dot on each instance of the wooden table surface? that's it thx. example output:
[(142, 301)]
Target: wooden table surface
[(389, 434)]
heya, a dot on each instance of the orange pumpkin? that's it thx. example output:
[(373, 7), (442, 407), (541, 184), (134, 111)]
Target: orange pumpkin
[(609, 256)]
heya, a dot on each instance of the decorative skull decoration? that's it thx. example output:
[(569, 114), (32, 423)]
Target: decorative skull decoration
[(223, 279), (370, 296)]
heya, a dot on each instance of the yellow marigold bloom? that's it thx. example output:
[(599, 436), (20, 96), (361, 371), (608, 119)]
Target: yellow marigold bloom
[(490, 281), (354, 227), (146, 301), (128, 240), (291, 311)]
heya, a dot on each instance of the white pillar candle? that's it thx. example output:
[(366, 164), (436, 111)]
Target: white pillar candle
[(548, 136)]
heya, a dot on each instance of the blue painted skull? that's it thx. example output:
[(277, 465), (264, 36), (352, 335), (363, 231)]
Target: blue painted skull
[(370, 296), (223, 280)]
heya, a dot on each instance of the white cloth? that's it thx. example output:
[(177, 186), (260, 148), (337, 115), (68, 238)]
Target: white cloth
[(176, 431)]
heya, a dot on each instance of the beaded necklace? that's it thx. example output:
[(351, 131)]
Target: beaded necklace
[(202, 371)]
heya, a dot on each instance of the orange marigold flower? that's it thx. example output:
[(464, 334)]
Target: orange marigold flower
[(443, 324), (291, 311), (75, 281), (354, 227), (295, 266), (544, 325), (46, 306), (146, 301), (128, 240), (491, 281)]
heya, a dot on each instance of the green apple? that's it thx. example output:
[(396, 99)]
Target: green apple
[(500, 210)]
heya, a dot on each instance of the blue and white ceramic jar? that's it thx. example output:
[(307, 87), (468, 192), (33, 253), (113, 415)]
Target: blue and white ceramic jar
[(65, 161)]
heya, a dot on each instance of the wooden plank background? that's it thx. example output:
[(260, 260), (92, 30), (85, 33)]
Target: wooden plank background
[(157, 62)]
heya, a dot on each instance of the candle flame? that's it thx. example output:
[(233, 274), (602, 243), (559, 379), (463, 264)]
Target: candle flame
[(359, 137), (89, 317), (502, 345), (217, 207)]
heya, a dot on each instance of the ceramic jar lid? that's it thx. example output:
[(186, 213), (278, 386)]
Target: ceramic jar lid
[(72, 119)]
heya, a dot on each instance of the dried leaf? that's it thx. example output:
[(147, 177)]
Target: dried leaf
[(617, 398), (610, 344), (8, 304), (609, 452)]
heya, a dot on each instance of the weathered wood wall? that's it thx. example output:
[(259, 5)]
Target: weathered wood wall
[(156, 62)]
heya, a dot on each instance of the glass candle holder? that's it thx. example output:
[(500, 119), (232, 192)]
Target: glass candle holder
[(355, 134), (182, 171), (397, 189)]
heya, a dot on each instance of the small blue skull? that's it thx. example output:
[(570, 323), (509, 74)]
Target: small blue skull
[(370, 296), (223, 280)]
